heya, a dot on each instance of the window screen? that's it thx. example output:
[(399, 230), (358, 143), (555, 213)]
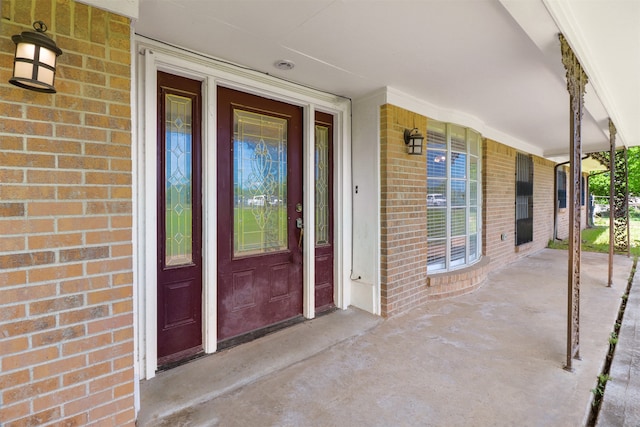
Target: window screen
[(561, 185), (524, 199)]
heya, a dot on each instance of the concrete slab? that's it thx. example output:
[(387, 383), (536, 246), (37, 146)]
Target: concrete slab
[(493, 357), (211, 376), (621, 401)]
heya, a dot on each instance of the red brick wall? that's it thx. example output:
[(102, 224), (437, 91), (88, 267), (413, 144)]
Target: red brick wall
[(403, 201), (66, 322)]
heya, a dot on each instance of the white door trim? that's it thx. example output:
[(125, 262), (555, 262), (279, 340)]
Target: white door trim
[(154, 57)]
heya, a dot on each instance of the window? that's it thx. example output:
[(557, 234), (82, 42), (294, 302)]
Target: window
[(561, 185), (453, 196), (524, 199)]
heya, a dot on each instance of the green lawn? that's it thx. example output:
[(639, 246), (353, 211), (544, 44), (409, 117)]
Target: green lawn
[(596, 239), (250, 237), (260, 229), (178, 231)]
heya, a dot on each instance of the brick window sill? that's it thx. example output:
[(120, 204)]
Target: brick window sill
[(458, 282)]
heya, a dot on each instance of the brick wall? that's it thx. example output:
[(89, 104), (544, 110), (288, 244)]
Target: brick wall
[(403, 201), (499, 197), (543, 201), (498, 216), (66, 322)]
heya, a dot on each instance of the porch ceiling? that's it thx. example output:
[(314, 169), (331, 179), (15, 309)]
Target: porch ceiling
[(497, 60)]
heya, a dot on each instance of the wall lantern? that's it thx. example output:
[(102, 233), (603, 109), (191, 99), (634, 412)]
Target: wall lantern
[(413, 139), (34, 65)]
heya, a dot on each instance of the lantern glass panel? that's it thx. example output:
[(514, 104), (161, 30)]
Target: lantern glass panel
[(47, 57), (417, 146), (23, 70), (26, 51), (45, 75)]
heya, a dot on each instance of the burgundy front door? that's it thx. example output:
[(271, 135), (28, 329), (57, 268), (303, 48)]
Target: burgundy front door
[(323, 145), (179, 219), (259, 212)]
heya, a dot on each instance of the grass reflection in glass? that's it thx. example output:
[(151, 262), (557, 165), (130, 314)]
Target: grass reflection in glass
[(251, 239)]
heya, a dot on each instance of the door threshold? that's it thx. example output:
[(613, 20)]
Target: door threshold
[(258, 333), (327, 309), (184, 357)]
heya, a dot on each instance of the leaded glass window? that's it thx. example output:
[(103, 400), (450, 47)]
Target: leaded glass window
[(259, 183), (322, 171), (179, 181)]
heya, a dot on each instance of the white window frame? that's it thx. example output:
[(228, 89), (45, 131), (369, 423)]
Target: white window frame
[(470, 135)]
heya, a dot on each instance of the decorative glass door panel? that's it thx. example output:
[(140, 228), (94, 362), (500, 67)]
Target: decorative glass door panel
[(259, 183), (178, 181), (323, 191), (322, 171)]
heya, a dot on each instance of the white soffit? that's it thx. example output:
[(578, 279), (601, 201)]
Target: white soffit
[(128, 8), (496, 61), (605, 36)]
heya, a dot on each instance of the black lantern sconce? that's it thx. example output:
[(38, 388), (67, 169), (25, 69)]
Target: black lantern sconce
[(413, 140), (34, 65)]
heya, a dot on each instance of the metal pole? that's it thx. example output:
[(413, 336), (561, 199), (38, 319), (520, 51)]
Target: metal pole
[(576, 82), (626, 200), (612, 195)]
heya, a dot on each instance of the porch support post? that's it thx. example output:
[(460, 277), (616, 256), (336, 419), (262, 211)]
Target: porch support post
[(621, 200), (612, 192), (626, 199), (576, 82)]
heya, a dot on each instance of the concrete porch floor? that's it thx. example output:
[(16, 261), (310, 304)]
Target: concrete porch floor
[(493, 357)]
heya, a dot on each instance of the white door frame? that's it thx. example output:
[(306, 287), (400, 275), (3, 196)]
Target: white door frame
[(153, 57)]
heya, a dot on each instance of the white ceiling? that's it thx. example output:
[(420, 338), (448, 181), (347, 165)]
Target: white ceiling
[(498, 61)]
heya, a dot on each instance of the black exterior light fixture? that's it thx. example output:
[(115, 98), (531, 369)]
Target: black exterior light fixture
[(413, 140), (34, 65)]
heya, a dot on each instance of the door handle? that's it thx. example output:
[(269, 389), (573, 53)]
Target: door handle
[(300, 238), (300, 226)]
